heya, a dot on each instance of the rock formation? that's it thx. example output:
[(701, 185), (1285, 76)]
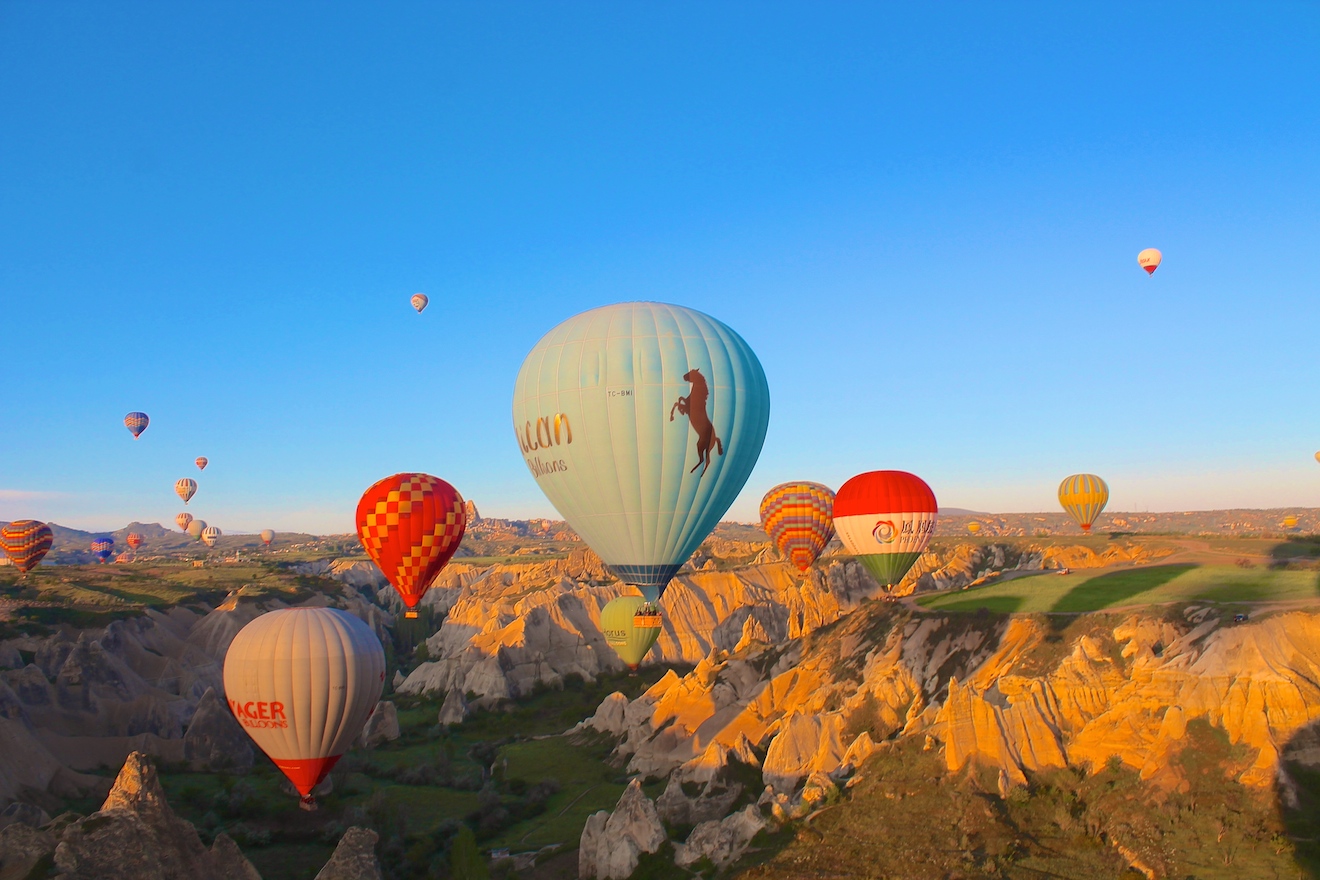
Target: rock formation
[(354, 858), (215, 740), (721, 841), (382, 726), (455, 709), (612, 843), (134, 834)]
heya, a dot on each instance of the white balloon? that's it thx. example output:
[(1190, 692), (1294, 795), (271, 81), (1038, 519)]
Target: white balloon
[(302, 682)]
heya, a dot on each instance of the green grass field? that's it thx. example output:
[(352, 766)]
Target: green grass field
[(1152, 585)]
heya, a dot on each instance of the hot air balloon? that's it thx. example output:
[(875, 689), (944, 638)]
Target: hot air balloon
[(630, 627), (641, 422), (886, 519), (201, 462), (103, 547), (1290, 522), (1317, 456), (973, 527), (209, 534), (1083, 496), (267, 536), (302, 682), (136, 422), (419, 302), (410, 524), (185, 489), (1149, 259), (134, 540), (26, 542), (124, 557), (196, 527), (799, 518), (183, 519)]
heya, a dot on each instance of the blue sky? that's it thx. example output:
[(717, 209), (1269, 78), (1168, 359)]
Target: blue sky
[(925, 221)]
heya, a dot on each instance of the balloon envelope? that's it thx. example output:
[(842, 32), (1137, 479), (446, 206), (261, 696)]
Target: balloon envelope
[(419, 302), (134, 540), (185, 489), (1149, 259), (1083, 496), (410, 525), (641, 422), (1290, 522), (136, 422), (103, 547), (973, 527), (183, 519), (267, 536), (302, 682), (886, 519), (196, 527), (799, 518), (201, 462), (26, 542), (209, 535), (631, 627)]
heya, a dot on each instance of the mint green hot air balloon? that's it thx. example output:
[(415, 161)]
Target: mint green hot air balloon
[(630, 628), (641, 422)]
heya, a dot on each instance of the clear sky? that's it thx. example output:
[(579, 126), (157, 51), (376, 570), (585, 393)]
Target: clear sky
[(923, 217)]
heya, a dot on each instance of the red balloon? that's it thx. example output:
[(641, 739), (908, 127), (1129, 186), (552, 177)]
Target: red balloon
[(133, 540), (26, 541), (410, 525)]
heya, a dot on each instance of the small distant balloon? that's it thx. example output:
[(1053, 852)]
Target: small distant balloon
[(973, 527), (103, 548), (196, 527), (26, 542), (185, 489), (267, 536), (136, 422), (134, 540), (183, 519), (201, 462), (419, 302), (1290, 522), (209, 535), (1317, 456), (124, 557), (1149, 259)]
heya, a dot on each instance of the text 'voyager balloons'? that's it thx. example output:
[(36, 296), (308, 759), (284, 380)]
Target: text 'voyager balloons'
[(185, 489), (201, 462), (410, 526), (886, 519), (182, 520), (26, 543), (419, 302), (641, 423), (1150, 259), (267, 536), (1083, 496), (630, 627), (136, 422), (799, 518), (302, 682)]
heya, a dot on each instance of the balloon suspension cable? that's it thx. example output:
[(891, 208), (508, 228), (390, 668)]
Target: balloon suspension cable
[(308, 803)]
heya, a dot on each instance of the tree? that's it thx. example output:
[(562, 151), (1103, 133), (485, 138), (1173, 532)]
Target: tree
[(465, 862)]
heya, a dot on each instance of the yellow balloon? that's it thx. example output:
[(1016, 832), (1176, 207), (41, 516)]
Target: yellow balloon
[(1149, 259), (1083, 496), (973, 527)]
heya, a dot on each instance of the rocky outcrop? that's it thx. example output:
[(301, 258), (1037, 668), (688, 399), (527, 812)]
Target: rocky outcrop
[(214, 740), (136, 834), (354, 858), (721, 841), (612, 843), (382, 726), (455, 708)]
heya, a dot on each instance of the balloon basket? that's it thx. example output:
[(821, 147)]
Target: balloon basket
[(308, 803), (410, 614), (646, 620)]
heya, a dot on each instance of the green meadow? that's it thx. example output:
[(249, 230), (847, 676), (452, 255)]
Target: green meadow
[(1153, 585)]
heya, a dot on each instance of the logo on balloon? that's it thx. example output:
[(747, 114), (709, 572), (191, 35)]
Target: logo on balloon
[(547, 432), (885, 531), (694, 407)]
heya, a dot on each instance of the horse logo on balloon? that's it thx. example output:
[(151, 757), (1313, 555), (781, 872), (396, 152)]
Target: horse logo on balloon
[(694, 407)]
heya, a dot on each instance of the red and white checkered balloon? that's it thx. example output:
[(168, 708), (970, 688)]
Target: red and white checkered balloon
[(410, 525)]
